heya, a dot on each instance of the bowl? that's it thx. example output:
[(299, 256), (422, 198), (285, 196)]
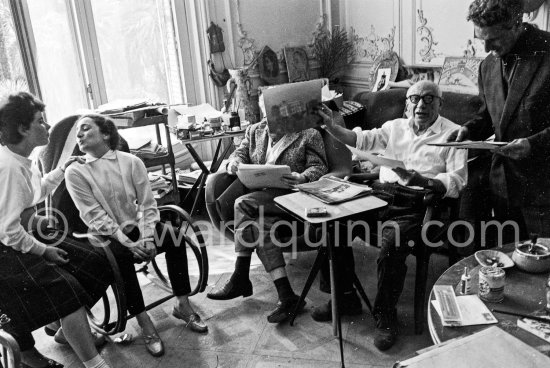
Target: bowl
[(535, 260), (488, 257)]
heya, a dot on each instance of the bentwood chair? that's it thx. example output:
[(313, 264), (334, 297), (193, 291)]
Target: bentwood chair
[(10, 356), (65, 213)]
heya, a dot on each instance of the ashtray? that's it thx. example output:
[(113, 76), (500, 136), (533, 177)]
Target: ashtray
[(489, 257)]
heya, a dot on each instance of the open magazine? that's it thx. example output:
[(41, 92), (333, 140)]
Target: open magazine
[(334, 190), (262, 176), (290, 107)]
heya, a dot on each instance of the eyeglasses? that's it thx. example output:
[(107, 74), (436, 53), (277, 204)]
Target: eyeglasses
[(428, 99)]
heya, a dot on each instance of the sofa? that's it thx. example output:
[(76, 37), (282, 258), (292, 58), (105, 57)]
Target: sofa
[(390, 104)]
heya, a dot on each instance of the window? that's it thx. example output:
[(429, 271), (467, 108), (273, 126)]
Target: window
[(12, 71), (92, 52)]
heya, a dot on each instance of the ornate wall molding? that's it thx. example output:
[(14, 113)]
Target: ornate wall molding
[(246, 44), (371, 46), (425, 34)]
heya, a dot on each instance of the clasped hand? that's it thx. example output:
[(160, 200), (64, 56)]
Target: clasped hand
[(143, 251)]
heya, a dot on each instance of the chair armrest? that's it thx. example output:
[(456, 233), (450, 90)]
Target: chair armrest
[(362, 177)]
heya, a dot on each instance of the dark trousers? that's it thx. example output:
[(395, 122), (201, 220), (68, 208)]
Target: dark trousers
[(397, 230), (176, 261)]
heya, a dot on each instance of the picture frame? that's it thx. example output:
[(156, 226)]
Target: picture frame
[(269, 66), (460, 74), (296, 64), (383, 78)]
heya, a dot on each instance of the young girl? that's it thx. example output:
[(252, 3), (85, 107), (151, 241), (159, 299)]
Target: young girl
[(41, 283), (114, 198)]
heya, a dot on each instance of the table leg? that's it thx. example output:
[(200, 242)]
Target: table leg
[(336, 321), (321, 256)]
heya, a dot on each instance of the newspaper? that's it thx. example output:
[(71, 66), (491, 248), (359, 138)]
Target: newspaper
[(290, 107), (333, 190), (262, 176)]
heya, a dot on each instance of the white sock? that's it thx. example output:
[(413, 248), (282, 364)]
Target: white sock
[(96, 362)]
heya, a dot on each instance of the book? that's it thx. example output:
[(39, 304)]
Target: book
[(537, 328), (333, 190)]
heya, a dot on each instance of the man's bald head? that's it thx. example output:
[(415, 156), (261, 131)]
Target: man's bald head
[(423, 103)]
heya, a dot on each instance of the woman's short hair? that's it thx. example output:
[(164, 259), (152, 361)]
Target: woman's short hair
[(488, 13), (17, 110), (106, 126)]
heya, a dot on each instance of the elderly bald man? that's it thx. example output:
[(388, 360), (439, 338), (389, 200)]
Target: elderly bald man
[(442, 170)]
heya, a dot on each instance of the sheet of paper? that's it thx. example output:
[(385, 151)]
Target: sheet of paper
[(376, 158), (472, 310), (490, 145), (491, 347), (290, 107), (262, 176)]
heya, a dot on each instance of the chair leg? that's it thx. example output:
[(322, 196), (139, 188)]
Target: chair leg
[(422, 263)]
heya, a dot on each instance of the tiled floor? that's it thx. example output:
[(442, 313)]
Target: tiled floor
[(239, 335)]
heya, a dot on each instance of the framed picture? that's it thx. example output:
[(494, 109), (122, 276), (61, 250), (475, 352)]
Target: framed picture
[(383, 77), (269, 66), (296, 64), (459, 74)]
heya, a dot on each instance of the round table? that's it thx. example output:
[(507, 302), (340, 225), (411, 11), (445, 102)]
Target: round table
[(523, 293)]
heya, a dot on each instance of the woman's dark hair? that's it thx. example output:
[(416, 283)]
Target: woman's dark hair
[(17, 110), (488, 13), (106, 126)]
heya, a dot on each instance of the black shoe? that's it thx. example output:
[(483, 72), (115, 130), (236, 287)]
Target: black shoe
[(385, 333), (231, 291), (283, 310), (350, 305)]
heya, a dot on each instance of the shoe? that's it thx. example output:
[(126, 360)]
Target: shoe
[(386, 332), (50, 330), (231, 291), (153, 344), (193, 320), (283, 310), (350, 305), (99, 339), (49, 364)]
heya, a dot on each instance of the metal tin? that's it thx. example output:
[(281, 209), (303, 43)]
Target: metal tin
[(491, 284)]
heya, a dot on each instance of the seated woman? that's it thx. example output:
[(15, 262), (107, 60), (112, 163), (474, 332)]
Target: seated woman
[(114, 198), (255, 212), (41, 283)]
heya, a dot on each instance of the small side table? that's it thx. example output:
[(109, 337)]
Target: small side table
[(296, 204)]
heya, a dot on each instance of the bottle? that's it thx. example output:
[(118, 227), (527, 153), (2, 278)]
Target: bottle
[(465, 282), (548, 294)]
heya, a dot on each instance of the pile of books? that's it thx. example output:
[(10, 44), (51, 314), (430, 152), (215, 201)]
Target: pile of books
[(159, 185)]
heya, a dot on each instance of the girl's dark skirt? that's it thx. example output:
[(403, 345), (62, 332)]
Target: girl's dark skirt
[(34, 293)]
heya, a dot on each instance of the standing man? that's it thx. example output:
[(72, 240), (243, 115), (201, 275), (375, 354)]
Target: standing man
[(514, 84)]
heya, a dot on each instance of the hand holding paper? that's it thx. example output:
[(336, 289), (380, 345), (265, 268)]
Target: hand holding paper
[(377, 159)]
